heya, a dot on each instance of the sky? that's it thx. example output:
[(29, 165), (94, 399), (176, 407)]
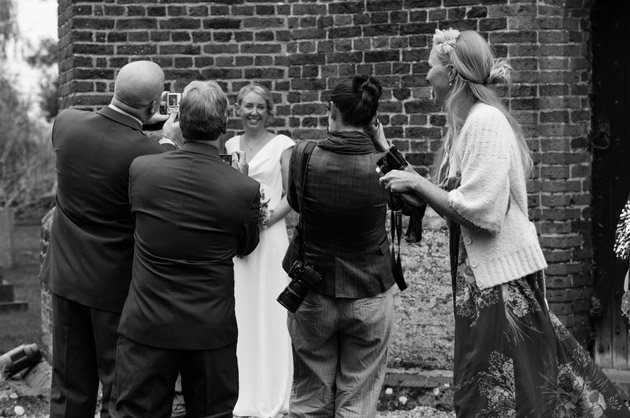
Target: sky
[(36, 19)]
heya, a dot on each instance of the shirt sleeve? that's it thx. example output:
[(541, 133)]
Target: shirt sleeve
[(231, 144), (483, 195)]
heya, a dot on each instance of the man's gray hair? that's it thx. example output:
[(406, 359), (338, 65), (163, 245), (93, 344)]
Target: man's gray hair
[(203, 111)]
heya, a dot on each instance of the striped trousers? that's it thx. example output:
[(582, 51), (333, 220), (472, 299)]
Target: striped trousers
[(340, 355)]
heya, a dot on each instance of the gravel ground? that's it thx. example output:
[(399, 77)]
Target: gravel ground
[(419, 412), (19, 400)]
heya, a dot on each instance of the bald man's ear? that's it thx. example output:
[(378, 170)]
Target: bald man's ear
[(154, 107)]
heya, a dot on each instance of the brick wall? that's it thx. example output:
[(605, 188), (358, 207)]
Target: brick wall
[(299, 48)]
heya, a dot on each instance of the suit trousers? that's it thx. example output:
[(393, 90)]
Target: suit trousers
[(144, 382), (340, 355), (84, 353)]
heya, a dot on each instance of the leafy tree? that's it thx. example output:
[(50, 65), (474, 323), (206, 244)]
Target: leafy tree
[(26, 158), (45, 58), (8, 27)]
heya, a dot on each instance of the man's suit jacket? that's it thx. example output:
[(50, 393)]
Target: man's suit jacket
[(193, 214), (91, 249)]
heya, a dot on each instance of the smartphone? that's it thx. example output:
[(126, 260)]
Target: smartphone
[(227, 158)]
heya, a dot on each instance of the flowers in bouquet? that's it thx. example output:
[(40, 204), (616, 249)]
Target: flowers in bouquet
[(265, 212), (622, 234)]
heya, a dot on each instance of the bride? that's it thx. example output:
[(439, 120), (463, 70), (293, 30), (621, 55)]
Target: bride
[(264, 347)]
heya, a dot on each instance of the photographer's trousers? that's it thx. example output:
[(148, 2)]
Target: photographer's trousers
[(340, 355)]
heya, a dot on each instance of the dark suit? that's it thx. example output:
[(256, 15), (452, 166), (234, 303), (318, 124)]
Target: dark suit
[(193, 213), (88, 264)]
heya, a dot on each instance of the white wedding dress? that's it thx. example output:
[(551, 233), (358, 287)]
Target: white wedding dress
[(264, 346)]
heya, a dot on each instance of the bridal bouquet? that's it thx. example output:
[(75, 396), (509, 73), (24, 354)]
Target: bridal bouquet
[(265, 212), (622, 234)]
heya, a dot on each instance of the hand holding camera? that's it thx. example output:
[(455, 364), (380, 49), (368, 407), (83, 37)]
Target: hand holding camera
[(392, 160)]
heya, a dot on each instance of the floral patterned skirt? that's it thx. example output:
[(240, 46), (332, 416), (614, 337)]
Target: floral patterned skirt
[(514, 358)]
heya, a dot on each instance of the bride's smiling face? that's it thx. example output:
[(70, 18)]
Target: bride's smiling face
[(253, 110)]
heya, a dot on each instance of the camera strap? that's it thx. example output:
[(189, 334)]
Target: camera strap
[(306, 148), (396, 229)]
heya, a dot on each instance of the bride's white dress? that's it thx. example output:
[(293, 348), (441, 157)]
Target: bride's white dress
[(264, 346)]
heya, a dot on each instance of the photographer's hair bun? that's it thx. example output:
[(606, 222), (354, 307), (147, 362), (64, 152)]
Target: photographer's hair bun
[(357, 98)]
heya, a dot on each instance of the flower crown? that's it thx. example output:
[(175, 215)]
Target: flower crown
[(444, 40)]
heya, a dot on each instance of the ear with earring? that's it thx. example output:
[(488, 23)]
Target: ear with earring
[(451, 74)]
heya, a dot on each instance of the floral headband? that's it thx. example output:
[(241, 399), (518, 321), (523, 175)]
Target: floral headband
[(444, 40)]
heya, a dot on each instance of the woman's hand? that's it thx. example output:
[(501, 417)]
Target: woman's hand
[(239, 161), (380, 142), (399, 181)]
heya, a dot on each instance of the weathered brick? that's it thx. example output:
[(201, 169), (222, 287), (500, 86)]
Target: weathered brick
[(95, 24), (93, 49), (156, 11), (221, 23), (311, 9), (185, 49), (351, 32), (144, 49), (82, 10), (136, 24), (379, 5), (138, 36), (267, 22), (133, 11)]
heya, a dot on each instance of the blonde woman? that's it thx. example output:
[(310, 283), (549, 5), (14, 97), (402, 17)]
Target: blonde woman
[(513, 357), (264, 346)]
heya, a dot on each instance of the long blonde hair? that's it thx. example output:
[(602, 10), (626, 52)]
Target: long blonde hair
[(475, 71)]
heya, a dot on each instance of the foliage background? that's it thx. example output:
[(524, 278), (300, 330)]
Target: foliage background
[(27, 177)]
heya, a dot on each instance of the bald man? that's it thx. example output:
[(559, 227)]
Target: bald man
[(88, 264)]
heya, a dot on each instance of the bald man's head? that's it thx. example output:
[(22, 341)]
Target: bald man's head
[(139, 83)]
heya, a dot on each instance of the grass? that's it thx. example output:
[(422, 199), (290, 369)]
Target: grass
[(22, 327)]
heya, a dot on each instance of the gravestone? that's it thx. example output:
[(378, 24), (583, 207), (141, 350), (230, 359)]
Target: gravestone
[(6, 237), (7, 294)]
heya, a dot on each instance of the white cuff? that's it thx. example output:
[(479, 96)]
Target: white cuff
[(165, 140)]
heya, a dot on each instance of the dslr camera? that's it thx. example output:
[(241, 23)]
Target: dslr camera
[(303, 278), (391, 160)]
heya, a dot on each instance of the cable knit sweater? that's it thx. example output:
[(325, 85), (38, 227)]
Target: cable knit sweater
[(493, 197)]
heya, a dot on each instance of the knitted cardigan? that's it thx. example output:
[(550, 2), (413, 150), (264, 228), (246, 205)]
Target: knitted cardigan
[(493, 197)]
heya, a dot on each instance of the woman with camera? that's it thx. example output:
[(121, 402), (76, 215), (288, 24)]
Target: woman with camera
[(513, 357), (264, 346), (341, 329)]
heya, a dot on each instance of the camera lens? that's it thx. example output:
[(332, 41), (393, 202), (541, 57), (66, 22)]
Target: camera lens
[(293, 295)]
